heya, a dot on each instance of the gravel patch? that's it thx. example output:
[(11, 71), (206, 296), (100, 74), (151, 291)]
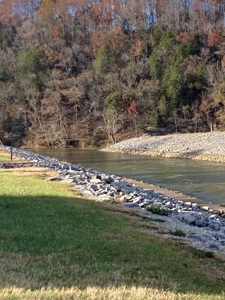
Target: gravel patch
[(208, 146)]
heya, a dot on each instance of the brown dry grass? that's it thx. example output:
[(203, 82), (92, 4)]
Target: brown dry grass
[(27, 171), (5, 157), (95, 293)]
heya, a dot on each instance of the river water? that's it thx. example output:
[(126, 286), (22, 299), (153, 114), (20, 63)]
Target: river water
[(203, 180)]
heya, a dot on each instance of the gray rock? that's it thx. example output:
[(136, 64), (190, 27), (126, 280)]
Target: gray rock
[(220, 235), (65, 167), (94, 187), (188, 217), (95, 180), (205, 208), (86, 192), (68, 180), (213, 216), (195, 237), (131, 205), (215, 224), (200, 223), (213, 246), (169, 204)]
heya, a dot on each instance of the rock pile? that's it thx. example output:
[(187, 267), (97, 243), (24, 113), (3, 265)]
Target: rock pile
[(204, 229), (201, 146)]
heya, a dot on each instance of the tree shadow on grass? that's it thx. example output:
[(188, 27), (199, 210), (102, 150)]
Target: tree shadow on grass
[(64, 242)]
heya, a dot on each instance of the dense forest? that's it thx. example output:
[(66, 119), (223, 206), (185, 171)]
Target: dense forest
[(82, 72)]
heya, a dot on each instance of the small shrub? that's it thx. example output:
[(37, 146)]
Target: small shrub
[(178, 232), (111, 201), (203, 254), (158, 209), (209, 254)]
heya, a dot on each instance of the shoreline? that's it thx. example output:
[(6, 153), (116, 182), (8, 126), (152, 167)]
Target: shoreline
[(204, 228), (178, 196), (209, 158), (208, 146)]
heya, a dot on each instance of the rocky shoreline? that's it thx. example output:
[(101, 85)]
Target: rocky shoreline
[(204, 228), (208, 146)]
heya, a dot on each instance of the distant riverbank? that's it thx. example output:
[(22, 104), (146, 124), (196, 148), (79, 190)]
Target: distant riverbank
[(208, 146)]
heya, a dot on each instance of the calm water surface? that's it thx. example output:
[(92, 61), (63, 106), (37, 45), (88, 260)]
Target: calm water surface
[(204, 180)]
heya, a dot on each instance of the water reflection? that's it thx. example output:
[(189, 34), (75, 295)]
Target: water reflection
[(204, 180)]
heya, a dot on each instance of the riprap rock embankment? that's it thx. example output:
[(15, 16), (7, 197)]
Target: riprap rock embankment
[(204, 229), (200, 146)]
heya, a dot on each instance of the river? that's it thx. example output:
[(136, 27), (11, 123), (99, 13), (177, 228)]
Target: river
[(203, 180)]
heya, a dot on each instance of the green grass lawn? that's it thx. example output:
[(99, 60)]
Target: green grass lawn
[(56, 245)]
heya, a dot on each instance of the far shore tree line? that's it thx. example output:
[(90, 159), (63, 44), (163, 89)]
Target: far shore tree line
[(81, 72)]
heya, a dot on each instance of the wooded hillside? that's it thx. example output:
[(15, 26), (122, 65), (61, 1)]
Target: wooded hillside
[(86, 72)]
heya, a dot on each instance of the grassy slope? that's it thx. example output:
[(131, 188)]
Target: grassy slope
[(4, 156), (54, 245)]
